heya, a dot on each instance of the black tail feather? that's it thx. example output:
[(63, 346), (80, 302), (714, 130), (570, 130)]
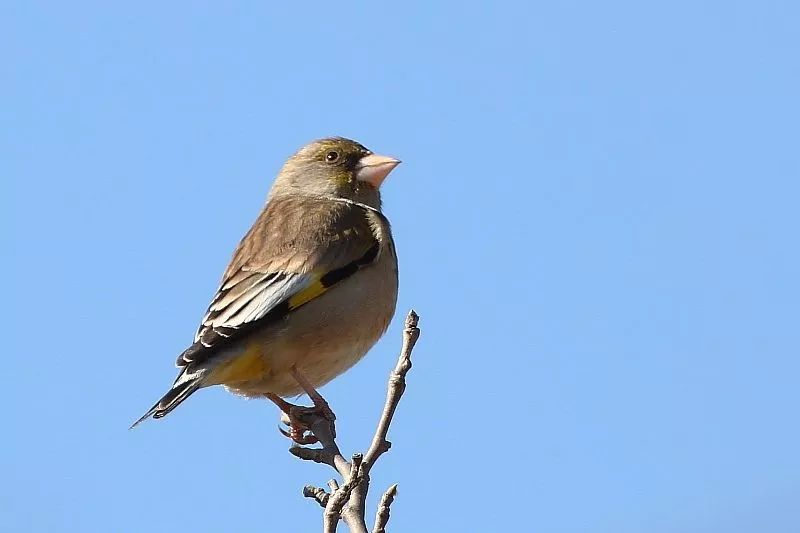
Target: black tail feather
[(181, 390)]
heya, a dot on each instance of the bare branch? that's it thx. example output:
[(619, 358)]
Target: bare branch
[(330, 521), (397, 385), (316, 493), (333, 509), (382, 516), (318, 455)]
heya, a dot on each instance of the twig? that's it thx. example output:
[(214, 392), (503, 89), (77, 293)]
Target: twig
[(333, 509), (397, 385), (348, 501), (318, 455), (316, 493), (382, 516)]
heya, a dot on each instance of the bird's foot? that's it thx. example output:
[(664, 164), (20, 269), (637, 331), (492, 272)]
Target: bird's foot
[(298, 419)]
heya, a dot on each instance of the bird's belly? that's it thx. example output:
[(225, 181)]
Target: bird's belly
[(328, 335)]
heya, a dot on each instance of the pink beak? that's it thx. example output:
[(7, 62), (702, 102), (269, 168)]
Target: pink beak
[(374, 168)]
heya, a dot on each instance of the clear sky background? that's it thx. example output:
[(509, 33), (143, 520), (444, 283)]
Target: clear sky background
[(596, 217)]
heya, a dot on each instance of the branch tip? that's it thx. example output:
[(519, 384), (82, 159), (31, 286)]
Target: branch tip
[(382, 516), (316, 493), (412, 320)]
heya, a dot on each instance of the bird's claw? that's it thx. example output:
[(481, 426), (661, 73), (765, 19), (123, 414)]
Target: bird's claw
[(297, 419), (299, 436), (298, 431)]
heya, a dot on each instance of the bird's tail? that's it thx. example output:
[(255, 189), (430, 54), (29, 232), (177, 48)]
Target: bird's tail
[(184, 386)]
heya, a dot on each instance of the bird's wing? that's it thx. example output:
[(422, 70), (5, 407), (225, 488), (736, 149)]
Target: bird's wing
[(297, 250)]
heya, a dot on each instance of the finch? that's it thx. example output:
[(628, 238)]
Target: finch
[(310, 289)]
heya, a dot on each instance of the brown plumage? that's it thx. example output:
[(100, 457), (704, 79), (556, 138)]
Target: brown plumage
[(311, 286)]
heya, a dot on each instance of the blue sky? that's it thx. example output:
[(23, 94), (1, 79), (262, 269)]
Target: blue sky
[(596, 217)]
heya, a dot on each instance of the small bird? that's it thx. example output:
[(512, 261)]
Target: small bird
[(310, 289)]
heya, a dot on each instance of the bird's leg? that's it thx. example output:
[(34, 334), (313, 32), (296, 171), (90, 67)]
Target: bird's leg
[(319, 402), (296, 416), (292, 417)]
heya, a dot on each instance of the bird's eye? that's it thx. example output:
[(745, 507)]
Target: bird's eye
[(332, 156)]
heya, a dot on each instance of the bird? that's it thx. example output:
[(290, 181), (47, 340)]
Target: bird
[(310, 288)]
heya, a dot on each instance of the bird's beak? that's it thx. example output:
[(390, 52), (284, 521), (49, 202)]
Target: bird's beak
[(374, 168)]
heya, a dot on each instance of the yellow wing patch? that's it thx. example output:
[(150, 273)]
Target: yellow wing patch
[(306, 295), (250, 366)]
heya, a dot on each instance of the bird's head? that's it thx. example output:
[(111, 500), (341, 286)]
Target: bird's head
[(335, 167)]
